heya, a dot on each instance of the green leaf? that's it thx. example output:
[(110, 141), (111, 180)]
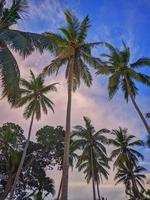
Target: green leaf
[(10, 75)]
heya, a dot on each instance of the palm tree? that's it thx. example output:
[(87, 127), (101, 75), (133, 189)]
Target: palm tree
[(74, 52), (123, 74), (34, 96), (93, 159), (124, 144), (22, 42), (133, 178)]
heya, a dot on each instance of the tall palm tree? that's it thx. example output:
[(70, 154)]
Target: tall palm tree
[(122, 74), (93, 159), (33, 95), (22, 42), (74, 53), (133, 178), (124, 144)]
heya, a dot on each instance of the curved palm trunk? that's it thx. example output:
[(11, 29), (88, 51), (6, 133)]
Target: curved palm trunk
[(64, 193), (93, 177), (22, 160), (59, 191), (98, 191), (140, 114), (137, 108)]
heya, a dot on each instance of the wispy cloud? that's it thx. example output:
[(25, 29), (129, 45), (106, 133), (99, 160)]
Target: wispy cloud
[(48, 15)]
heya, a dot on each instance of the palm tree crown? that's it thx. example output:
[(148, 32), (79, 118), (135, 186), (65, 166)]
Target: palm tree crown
[(72, 50), (93, 159), (34, 95), (121, 72), (133, 178), (124, 147)]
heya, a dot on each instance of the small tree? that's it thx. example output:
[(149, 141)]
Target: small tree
[(34, 96)]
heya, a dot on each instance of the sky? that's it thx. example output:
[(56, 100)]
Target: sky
[(111, 21)]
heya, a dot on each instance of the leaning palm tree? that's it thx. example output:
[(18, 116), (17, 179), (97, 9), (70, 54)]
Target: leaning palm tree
[(74, 53), (133, 178), (124, 145), (33, 95), (93, 159), (22, 42), (122, 74)]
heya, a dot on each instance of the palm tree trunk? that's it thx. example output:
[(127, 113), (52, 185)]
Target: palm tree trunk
[(94, 190), (98, 191), (137, 108), (93, 177), (60, 187), (140, 114), (64, 192), (22, 160)]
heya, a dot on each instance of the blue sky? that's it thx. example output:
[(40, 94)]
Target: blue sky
[(111, 21)]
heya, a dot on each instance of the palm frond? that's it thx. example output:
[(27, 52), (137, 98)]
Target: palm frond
[(54, 66), (114, 83), (51, 87), (142, 78), (148, 115), (145, 61), (85, 74), (10, 75), (72, 23), (111, 48), (14, 13), (85, 24), (91, 61), (33, 95), (25, 43)]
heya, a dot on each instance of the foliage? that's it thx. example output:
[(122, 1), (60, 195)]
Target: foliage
[(122, 74), (93, 159), (33, 93), (52, 139), (11, 145), (124, 145), (33, 178), (22, 42), (133, 178), (73, 51)]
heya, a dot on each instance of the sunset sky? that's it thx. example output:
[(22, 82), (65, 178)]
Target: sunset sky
[(111, 21)]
